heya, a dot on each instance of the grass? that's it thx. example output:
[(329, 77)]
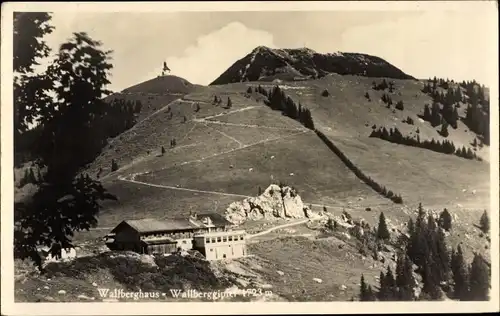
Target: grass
[(262, 116), (318, 174), (302, 259), (422, 175)]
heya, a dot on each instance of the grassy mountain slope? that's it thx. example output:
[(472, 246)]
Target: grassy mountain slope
[(223, 154)]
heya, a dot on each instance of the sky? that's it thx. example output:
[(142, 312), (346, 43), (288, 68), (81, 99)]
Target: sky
[(199, 46)]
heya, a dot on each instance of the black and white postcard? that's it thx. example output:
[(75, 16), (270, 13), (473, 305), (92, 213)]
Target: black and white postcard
[(341, 156)]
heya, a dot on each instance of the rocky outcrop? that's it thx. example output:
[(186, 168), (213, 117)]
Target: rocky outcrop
[(275, 202), (266, 64)]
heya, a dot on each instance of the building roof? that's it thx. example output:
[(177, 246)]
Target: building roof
[(149, 225)]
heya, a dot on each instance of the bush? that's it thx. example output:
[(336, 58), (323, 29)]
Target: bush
[(325, 93), (400, 106)]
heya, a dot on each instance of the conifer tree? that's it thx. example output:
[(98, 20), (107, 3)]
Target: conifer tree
[(427, 113), (479, 279), (382, 230), (431, 286), (444, 130), (484, 222), (363, 289), (382, 291), (435, 114), (163, 150), (388, 289), (445, 220), (460, 275), (404, 278)]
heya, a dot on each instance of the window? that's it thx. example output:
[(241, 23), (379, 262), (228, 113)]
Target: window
[(207, 240), (218, 239), (241, 237), (230, 238), (224, 239), (211, 249), (213, 240), (184, 242)]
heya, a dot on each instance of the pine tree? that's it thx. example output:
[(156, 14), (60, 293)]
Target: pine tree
[(479, 279), (163, 151), (427, 113), (382, 230), (444, 130), (404, 278), (484, 222), (435, 114), (460, 275), (363, 295), (382, 291), (388, 289), (308, 121), (431, 286), (411, 227), (445, 220), (454, 118)]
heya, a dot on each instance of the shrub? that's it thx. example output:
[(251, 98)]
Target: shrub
[(325, 93), (400, 106)]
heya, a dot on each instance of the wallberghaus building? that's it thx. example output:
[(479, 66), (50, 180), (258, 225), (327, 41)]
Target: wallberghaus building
[(211, 234)]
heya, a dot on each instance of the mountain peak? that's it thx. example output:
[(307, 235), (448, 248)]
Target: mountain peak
[(290, 64)]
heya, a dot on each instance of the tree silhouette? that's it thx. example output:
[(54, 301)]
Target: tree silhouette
[(445, 220), (479, 279), (66, 99), (484, 222), (382, 231), (444, 130), (460, 275)]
